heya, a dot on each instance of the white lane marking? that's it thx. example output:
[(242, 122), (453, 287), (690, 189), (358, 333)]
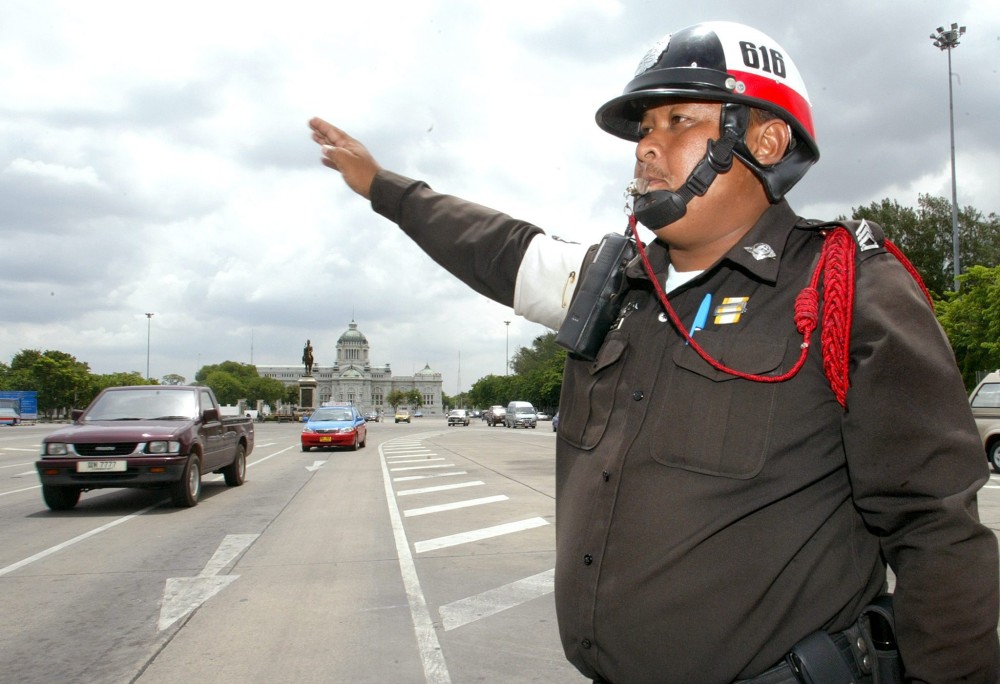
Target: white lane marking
[(183, 595), (79, 538), (407, 478), (478, 535), (439, 488), (97, 530), (315, 466), (442, 465), (464, 611), (455, 505), (431, 656), (15, 465), (26, 489), (418, 460)]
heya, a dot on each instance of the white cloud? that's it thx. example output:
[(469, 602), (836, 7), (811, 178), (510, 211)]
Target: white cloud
[(156, 158)]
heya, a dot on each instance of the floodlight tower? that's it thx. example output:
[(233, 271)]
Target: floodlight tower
[(946, 40)]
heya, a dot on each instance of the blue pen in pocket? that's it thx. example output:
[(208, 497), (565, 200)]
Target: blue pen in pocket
[(701, 318)]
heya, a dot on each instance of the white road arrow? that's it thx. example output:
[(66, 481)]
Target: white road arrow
[(316, 465), (182, 595)]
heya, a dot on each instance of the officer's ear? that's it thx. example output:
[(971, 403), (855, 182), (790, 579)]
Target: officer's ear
[(769, 140)]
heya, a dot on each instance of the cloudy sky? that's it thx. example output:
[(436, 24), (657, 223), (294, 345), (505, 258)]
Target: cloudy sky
[(155, 157)]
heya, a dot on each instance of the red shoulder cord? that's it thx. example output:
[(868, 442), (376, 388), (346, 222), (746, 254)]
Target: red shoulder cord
[(836, 263)]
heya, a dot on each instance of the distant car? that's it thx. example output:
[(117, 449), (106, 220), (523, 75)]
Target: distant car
[(520, 414), (476, 414), (9, 416), (335, 426), (458, 417), (418, 414), (402, 416), (555, 422), (541, 415), (495, 415), (985, 403), (372, 417)]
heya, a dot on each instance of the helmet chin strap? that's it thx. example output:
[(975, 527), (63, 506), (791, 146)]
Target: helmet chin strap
[(662, 207)]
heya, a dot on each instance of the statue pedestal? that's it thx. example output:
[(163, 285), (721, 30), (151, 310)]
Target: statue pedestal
[(307, 392)]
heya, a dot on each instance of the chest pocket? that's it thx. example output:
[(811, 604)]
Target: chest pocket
[(588, 393), (711, 422)]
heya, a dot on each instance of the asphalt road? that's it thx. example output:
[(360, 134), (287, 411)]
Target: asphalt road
[(426, 557)]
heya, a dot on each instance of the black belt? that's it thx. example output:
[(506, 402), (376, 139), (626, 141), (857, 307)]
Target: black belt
[(853, 656)]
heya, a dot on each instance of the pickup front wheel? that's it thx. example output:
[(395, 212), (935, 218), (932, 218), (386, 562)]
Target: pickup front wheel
[(236, 472), (995, 456), (60, 498), (185, 492)]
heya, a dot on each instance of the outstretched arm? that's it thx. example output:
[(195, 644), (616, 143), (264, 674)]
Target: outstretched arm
[(343, 153)]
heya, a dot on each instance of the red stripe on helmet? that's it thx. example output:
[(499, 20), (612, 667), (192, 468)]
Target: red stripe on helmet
[(777, 93)]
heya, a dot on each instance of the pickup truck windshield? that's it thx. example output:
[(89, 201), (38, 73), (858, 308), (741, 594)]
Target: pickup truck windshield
[(144, 405)]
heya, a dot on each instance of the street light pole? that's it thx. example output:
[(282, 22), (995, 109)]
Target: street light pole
[(506, 365), (946, 40), (149, 320)]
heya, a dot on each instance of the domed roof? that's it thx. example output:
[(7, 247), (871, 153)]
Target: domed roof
[(353, 335), (426, 370)]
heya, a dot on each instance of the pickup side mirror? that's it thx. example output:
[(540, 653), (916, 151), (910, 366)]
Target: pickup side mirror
[(210, 415), (75, 414)]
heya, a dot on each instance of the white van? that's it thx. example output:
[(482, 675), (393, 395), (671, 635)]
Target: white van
[(520, 413), (985, 403)]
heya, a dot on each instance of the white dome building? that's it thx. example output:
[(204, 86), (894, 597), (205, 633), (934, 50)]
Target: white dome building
[(351, 377)]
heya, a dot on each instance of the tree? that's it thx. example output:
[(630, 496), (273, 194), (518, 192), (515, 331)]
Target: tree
[(924, 234), (971, 319), (100, 382), (61, 381), (414, 397), (493, 390), (394, 398), (267, 390), (228, 388), (173, 379)]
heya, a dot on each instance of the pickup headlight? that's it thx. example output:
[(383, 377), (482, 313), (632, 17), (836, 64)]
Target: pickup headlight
[(56, 449), (163, 447)]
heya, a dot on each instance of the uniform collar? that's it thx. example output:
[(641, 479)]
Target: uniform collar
[(759, 251)]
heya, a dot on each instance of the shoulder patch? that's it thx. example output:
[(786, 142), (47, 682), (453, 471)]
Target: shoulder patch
[(865, 236), (869, 236)]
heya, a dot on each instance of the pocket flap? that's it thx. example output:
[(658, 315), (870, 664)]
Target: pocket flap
[(611, 351), (752, 354)]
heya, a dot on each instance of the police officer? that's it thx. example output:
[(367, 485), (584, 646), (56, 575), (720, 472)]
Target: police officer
[(730, 486)]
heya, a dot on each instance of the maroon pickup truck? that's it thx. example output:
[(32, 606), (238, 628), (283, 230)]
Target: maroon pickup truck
[(148, 436)]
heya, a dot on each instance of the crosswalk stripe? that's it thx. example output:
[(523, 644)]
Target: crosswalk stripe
[(440, 508), (464, 611), (478, 535)]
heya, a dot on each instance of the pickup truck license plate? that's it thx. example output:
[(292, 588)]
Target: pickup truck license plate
[(326, 439), (101, 466)]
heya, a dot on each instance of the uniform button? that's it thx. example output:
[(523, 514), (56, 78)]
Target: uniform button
[(587, 559), (586, 643), (638, 395), (606, 475)]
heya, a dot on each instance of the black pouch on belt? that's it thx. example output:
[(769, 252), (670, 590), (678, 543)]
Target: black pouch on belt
[(864, 652), (877, 623)]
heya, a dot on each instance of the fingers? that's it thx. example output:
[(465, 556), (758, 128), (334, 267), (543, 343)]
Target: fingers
[(326, 133)]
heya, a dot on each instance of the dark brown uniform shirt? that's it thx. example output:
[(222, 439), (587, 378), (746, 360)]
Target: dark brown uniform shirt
[(705, 523)]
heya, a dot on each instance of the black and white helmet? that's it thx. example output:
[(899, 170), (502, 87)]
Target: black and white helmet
[(723, 62)]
